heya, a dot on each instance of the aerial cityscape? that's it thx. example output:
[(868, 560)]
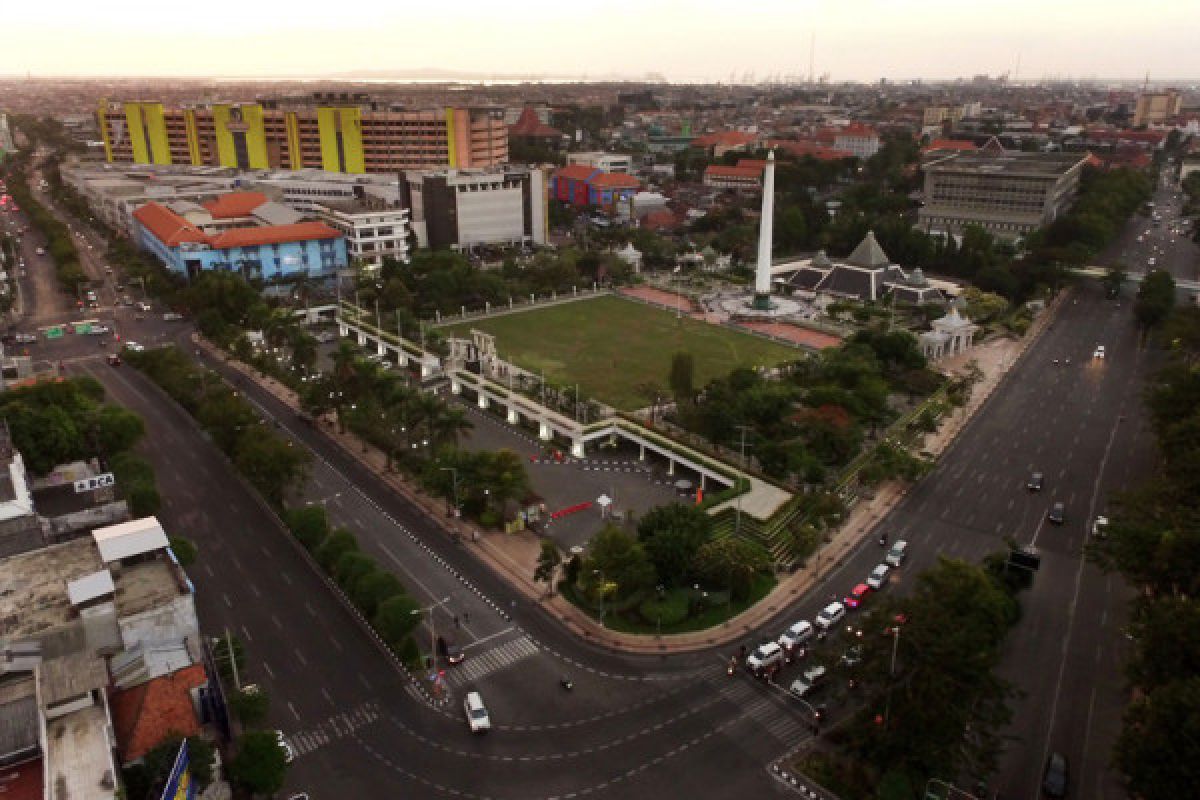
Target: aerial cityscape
[(647, 401)]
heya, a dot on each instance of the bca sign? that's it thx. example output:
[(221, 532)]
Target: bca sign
[(95, 482)]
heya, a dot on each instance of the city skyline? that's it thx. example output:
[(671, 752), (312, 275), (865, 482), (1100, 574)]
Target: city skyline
[(699, 41)]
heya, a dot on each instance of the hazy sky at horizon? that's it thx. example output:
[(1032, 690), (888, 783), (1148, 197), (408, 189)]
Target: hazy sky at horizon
[(680, 39)]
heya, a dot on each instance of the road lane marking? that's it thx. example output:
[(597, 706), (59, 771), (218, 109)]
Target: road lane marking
[(300, 657), (270, 671), (246, 633), (295, 713)]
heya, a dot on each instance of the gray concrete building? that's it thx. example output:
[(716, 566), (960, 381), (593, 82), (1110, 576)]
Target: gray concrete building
[(1008, 194)]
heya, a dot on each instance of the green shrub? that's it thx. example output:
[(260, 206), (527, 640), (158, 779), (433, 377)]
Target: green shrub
[(351, 567), (183, 549), (372, 589), (338, 543), (409, 654), (669, 609), (309, 524), (489, 519)]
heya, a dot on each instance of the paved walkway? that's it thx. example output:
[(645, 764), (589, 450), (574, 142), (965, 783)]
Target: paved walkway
[(514, 556)]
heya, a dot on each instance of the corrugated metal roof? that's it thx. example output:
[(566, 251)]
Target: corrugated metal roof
[(117, 542), (89, 587)]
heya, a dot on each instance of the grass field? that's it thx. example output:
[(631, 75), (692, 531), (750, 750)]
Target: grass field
[(609, 346)]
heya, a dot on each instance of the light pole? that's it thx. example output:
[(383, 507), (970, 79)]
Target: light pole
[(454, 477), (737, 525), (432, 630)]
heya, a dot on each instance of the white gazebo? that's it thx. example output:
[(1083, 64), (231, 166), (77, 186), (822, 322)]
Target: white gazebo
[(952, 334), (631, 256)]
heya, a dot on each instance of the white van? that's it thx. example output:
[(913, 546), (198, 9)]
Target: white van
[(830, 615), (895, 556), (796, 635), (764, 656)]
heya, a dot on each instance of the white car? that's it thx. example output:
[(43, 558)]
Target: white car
[(98, 330), (477, 715), (134, 347), (810, 680), (1151, 261), (1099, 527), (765, 655), (172, 316), (289, 755), (796, 635), (878, 576), (143, 306), (1099, 353)]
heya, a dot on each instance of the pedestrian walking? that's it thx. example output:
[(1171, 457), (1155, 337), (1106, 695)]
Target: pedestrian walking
[(466, 618), (456, 621)]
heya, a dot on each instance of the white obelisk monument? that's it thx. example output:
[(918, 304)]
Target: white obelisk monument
[(762, 273)]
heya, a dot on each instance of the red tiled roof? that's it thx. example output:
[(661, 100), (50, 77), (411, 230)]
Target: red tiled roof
[(857, 129), (809, 148), (659, 220), (722, 171), (757, 163), (22, 782), (724, 139), (950, 144), (149, 713), (615, 180), (528, 124), (167, 226), (235, 204), (575, 172), (274, 234)]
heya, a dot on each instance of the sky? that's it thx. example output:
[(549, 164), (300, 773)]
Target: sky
[(696, 40)]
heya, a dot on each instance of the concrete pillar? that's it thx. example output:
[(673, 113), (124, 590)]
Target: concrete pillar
[(426, 370), (703, 477), (670, 466), (577, 448), (343, 331), (641, 452), (362, 339), (455, 386), (380, 347), (483, 401), (402, 358), (512, 416), (544, 432)]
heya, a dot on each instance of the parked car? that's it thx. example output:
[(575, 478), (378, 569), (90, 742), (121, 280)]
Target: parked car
[(26, 338), (134, 347), (114, 360), (878, 576), (809, 681), (796, 635), (765, 655), (857, 595), (897, 554), (1099, 527), (172, 316), (143, 306), (1099, 351)]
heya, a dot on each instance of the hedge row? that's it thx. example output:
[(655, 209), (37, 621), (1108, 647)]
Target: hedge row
[(59, 244), (377, 593)]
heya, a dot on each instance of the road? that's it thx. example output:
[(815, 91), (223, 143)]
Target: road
[(641, 727)]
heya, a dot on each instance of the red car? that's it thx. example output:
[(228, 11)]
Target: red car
[(857, 595)]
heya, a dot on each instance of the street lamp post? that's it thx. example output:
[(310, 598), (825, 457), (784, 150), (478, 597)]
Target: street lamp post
[(454, 477), (432, 630)]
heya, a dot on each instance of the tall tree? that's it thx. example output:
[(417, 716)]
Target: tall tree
[(683, 378), (549, 558)]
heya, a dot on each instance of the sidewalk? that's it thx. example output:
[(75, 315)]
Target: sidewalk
[(514, 556)]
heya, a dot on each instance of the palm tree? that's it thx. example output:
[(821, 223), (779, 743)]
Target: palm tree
[(450, 424)]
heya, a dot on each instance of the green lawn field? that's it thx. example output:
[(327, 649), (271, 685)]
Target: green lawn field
[(609, 346)]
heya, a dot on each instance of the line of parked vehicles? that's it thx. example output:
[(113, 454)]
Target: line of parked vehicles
[(769, 658)]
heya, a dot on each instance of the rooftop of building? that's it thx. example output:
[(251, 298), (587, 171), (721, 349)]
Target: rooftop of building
[(146, 715), (18, 716), (70, 676), (529, 125), (1008, 163), (173, 230), (23, 781), (234, 204), (33, 586), (723, 171), (78, 755)]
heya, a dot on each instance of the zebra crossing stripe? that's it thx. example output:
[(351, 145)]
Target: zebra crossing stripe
[(493, 660)]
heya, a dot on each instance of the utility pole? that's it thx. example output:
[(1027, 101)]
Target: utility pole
[(737, 526), (232, 659)]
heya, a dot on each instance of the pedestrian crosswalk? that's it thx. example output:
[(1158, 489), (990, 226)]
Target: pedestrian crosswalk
[(764, 711), (334, 727), (479, 665)]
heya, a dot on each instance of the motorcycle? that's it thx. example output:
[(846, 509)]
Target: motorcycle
[(566, 684), (883, 541)]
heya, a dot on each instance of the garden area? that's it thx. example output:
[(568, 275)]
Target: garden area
[(675, 574)]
